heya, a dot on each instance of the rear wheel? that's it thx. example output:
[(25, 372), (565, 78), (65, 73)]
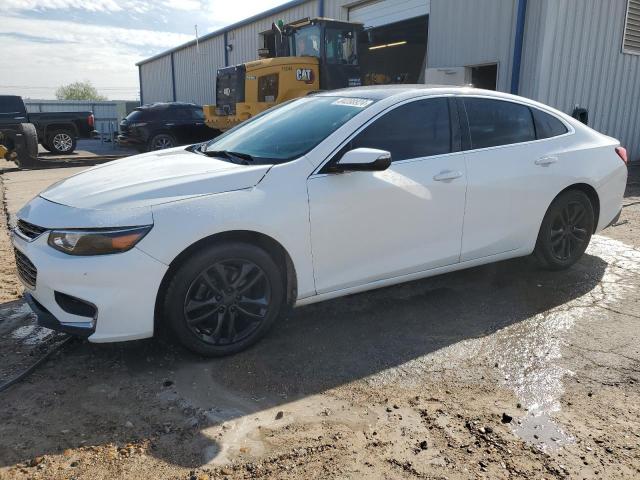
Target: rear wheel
[(565, 231), (223, 299), (161, 141), (61, 142)]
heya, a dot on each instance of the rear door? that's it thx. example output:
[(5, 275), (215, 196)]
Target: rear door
[(368, 226), (511, 174), (183, 124)]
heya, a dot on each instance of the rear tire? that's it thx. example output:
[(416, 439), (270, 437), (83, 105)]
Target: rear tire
[(225, 298), (565, 231), (161, 141), (61, 142)]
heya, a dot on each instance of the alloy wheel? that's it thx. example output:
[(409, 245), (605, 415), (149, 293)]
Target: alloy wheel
[(227, 302), (569, 231), (162, 142), (62, 142)]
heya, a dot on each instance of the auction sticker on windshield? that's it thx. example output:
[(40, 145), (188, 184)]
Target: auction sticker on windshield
[(353, 102)]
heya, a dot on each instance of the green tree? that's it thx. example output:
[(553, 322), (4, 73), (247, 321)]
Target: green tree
[(79, 91)]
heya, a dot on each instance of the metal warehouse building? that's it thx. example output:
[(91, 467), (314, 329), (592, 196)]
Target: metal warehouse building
[(566, 53)]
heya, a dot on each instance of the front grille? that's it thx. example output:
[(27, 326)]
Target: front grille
[(27, 271), (30, 230)]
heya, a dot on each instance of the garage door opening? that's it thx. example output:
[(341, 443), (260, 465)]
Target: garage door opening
[(395, 53), (484, 76)]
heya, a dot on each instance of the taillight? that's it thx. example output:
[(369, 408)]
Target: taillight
[(92, 120), (622, 153)]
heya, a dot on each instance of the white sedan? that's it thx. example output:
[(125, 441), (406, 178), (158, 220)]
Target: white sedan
[(321, 197)]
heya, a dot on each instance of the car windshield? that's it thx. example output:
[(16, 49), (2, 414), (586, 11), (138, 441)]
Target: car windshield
[(290, 130)]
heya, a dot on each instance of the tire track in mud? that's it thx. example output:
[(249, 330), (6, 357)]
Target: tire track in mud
[(528, 355)]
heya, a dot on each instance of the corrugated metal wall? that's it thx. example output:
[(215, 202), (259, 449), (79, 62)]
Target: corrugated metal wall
[(464, 33), (337, 9), (155, 80), (195, 71), (581, 63)]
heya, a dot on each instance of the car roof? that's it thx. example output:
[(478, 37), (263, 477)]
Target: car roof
[(380, 92), (164, 105), (407, 91)]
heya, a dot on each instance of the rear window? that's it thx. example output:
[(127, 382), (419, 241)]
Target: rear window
[(547, 126), (496, 122), (135, 116), (11, 104)]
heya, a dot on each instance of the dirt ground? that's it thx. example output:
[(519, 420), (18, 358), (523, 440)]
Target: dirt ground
[(502, 371)]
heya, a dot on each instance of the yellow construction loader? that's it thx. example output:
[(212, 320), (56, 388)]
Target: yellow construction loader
[(306, 56)]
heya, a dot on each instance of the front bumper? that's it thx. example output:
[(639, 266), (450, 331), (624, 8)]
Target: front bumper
[(46, 319), (127, 141), (122, 287)]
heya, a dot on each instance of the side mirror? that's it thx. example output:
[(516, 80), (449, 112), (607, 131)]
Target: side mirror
[(364, 160)]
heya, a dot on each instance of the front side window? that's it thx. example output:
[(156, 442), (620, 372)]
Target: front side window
[(290, 130), (547, 126), (414, 130), (496, 122), (340, 46)]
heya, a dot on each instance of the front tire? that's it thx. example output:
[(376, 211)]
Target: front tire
[(223, 299), (565, 231)]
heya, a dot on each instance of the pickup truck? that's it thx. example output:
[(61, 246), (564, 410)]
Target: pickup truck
[(57, 131)]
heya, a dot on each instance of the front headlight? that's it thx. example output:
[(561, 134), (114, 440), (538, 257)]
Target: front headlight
[(97, 241)]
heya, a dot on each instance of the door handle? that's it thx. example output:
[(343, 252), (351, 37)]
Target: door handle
[(447, 175), (544, 161)]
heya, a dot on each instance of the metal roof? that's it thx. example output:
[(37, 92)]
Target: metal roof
[(215, 33)]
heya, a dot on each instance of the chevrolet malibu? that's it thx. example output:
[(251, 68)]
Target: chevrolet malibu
[(321, 197)]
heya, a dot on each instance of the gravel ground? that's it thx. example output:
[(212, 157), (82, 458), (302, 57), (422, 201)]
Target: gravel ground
[(501, 371)]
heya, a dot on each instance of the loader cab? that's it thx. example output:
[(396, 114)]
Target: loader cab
[(334, 43)]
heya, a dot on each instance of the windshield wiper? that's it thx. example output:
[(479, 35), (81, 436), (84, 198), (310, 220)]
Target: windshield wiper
[(236, 157)]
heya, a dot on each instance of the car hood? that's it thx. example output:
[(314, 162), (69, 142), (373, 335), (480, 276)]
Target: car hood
[(151, 179)]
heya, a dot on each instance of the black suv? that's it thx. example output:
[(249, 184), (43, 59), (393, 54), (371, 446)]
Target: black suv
[(164, 125)]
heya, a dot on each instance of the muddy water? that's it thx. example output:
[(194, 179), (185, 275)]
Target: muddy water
[(529, 354)]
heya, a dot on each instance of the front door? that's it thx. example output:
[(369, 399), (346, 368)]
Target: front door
[(368, 226)]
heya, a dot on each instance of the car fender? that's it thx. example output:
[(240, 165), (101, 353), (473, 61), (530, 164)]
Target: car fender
[(276, 207), (61, 126)]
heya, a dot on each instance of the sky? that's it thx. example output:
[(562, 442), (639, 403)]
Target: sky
[(48, 43)]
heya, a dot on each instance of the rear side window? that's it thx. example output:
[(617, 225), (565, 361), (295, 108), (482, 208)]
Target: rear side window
[(181, 113), (547, 126), (495, 122), (414, 130), (197, 114)]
